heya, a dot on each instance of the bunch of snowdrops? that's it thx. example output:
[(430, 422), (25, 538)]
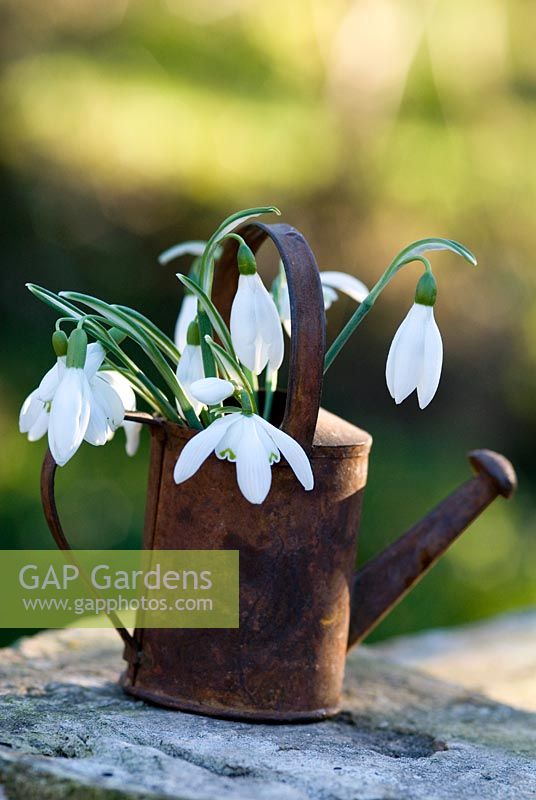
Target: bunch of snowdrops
[(209, 374)]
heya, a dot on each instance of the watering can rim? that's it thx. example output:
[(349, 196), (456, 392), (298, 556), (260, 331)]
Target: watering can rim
[(334, 437)]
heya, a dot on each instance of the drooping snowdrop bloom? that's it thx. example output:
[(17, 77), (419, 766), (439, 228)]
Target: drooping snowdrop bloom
[(253, 444), (190, 366), (332, 282), (416, 354), (107, 392), (211, 391), (255, 327)]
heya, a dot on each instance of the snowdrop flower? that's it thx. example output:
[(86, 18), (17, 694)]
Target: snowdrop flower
[(211, 391), (60, 404), (255, 327), (253, 445), (416, 353), (190, 366), (332, 282)]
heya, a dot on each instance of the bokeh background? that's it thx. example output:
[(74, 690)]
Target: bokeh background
[(129, 125)]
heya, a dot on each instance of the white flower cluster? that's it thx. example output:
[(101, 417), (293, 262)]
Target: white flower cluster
[(85, 395), (76, 404)]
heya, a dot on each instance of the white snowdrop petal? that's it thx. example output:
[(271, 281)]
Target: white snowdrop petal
[(292, 451), (98, 430), (94, 357), (198, 449), (50, 381), (228, 446), (69, 415), (330, 296), (132, 436), (268, 325), (211, 391), (243, 323), (108, 399), (390, 365), (345, 283), (433, 362), (30, 411), (193, 248), (189, 370), (187, 314), (253, 471), (272, 451), (408, 363), (122, 386), (40, 426)]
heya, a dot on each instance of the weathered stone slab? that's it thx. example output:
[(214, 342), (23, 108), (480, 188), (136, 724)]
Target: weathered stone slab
[(496, 657), (67, 731)]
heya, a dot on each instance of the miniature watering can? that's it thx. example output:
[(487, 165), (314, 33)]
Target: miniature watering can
[(301, 604)]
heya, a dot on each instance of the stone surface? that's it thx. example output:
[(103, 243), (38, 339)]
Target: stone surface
[(496, 657), (67, 731)]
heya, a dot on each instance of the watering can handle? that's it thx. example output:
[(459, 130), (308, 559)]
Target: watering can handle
[(308, 319), (48, 499)]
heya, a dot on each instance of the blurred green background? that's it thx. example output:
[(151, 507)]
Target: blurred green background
[(129, 125)]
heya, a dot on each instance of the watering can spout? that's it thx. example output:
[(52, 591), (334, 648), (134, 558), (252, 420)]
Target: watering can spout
[(387, 578)]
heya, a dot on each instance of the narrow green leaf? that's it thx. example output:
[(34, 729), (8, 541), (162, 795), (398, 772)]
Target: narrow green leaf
[(123, 321), (159, 401), (160, 338)]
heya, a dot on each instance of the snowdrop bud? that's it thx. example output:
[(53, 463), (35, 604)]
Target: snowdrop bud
[(211, 391), (426, 291), (192, 337), (59, 343), (246, 260), (77, 348)]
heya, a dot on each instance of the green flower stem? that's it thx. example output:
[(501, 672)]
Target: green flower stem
[(206, 275), (270, 385), (233, 370), (253, 381), (363, 308), (205, 329)]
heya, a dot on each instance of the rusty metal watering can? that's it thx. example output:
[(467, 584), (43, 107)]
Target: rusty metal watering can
[(301, 604)]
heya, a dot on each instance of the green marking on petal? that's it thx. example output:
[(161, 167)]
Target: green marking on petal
[(227, 453)]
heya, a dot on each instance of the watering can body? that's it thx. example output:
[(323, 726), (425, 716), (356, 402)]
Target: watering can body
[(301, 604), (285, 661)]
